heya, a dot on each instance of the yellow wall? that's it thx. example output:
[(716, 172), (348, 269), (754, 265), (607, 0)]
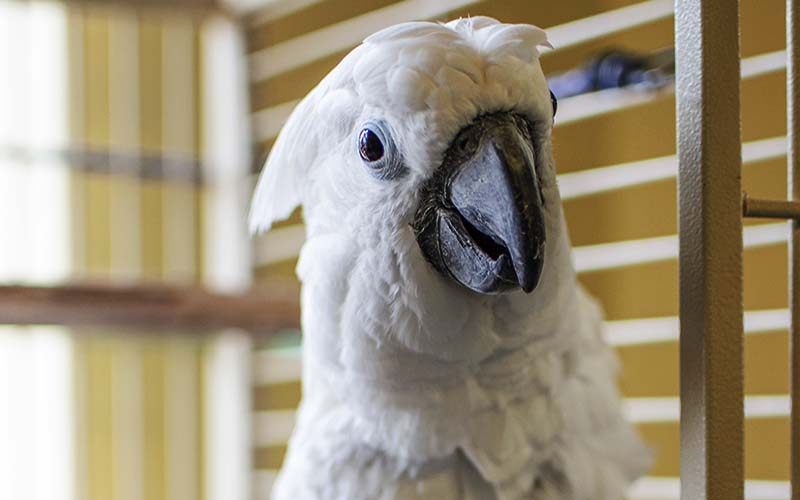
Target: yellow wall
[(139, 395)]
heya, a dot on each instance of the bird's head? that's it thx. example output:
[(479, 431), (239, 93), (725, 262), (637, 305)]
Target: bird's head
[(440, 132)]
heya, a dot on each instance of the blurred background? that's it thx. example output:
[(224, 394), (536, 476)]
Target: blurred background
[(131, 133)]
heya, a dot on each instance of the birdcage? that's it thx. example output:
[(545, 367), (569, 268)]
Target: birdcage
[(152, 349)]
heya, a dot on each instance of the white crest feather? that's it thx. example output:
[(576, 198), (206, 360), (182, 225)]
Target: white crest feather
[(279, 189)]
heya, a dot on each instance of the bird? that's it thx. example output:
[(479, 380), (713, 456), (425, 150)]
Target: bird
[(448, 350)]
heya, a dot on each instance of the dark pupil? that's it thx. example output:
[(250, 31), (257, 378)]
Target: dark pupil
[(370, 145), (554, 102)]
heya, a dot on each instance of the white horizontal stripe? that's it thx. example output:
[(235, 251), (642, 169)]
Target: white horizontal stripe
[(299, 51), (601, 25), (665, 329), (271, 428), (585, 106), (263, 481), (769, 62), (641, 331), (603, 179), (668, 409), (277, 9), (268, 122), (669, 488), (279, 244), (273, 366), (619, 254)]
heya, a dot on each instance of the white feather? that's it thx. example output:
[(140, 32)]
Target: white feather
[(414, 387)]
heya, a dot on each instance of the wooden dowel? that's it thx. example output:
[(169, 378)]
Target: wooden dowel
[(150, 307), (770, 209)]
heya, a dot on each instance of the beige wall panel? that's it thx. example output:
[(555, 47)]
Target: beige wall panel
[(764, 106), (98, 355), (765, 278), (269, 457), (285, 269), (199, 200), (766, 445), (762, 26), (766, 363), (639, 212), (636, 292), (151, 138), (282, 396), (765, 179), (96, 129), (652, 369), (154, 428)]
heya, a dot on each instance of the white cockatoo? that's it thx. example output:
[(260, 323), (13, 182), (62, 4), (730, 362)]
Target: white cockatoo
[(448, 351)]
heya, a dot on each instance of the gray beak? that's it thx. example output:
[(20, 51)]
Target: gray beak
[(481, 217)]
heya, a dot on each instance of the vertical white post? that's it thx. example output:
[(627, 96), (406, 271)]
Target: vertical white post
[(226, 158), (36, 413)]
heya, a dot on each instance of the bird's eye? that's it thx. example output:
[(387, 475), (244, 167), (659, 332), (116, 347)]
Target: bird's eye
[(379, 152), (554, 102), (370, 145)]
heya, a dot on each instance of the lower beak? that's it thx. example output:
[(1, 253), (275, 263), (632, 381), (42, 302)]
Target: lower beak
[(481, 220)]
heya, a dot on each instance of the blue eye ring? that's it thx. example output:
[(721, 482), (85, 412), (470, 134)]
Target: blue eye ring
[(378, 152)]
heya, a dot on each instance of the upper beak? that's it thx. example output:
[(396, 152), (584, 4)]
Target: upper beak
[(482, 219)]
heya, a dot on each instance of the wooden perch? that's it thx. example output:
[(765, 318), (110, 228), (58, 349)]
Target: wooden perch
[(150, 307)]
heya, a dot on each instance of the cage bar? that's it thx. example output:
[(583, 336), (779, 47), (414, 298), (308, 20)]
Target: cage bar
[(710, 225), (793, 157)]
